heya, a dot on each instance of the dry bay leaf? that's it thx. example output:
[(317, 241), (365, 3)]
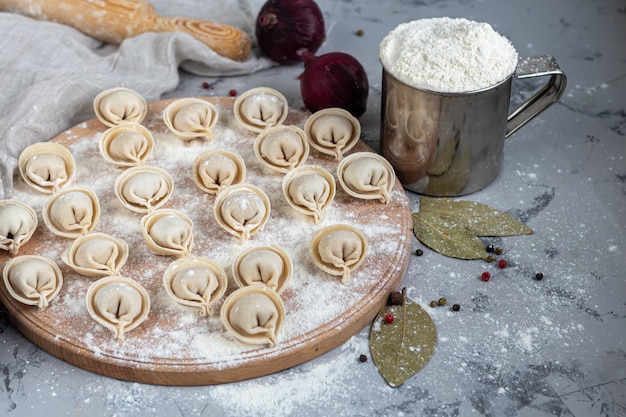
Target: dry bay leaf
[(451, 227), (402, 348), (482, 219), (447, 236)]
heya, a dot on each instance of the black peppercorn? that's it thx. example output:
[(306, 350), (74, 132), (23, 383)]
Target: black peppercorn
[(489, 248), (396, 298), (419, 252), (362, 358), (456, 307), (539, 276)]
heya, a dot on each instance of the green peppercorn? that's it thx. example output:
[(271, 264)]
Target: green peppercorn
[(498, 251), (490, 258), (359, 32), (433, 304), (442, 301)]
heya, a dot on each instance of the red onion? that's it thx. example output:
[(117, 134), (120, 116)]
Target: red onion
[(286, 29), (335, 79)]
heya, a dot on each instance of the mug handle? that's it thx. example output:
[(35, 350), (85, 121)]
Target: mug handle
[(530, 67)]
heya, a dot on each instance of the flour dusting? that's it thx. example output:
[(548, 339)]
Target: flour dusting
[(176, 334)]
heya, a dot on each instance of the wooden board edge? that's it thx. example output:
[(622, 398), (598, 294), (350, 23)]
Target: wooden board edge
[(306, 347)]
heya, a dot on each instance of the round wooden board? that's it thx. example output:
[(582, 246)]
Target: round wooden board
[(175, 346)]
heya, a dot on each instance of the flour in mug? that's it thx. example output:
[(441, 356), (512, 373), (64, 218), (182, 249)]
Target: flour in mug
[(447, 55)]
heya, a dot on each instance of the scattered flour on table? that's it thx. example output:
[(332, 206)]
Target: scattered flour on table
[(295, 389), (447, 55)]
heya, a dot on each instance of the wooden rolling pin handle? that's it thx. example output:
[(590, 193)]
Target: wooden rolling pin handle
[(115, 20), (224, 39)]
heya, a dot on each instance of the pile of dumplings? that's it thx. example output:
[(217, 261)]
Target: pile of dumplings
[(254, 312), (73, 212)]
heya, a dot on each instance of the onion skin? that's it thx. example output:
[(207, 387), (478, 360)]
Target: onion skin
[(335, 79), (286, 29)]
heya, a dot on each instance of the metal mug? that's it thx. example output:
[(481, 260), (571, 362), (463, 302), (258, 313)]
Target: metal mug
[(451, 144)]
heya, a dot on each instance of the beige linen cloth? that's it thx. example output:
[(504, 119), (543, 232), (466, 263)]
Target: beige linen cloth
[(50, 73)]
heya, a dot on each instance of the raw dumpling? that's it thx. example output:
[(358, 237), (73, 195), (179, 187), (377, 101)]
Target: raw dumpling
[(268, 266), (96, 255), (47, 166), (120, 304), (144, 189), (333, 131), (18, 223), (118, 105), (338, 250), (126, 145), (216, 169), (309, 189), (260, 108), (196, 282), (253, 315), (367, 175), (191, 118), (33, 280), (241, 210), (72, 212), (168, 232), (281, 148)]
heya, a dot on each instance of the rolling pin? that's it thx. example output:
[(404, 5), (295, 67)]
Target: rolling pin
[(115, 20)]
